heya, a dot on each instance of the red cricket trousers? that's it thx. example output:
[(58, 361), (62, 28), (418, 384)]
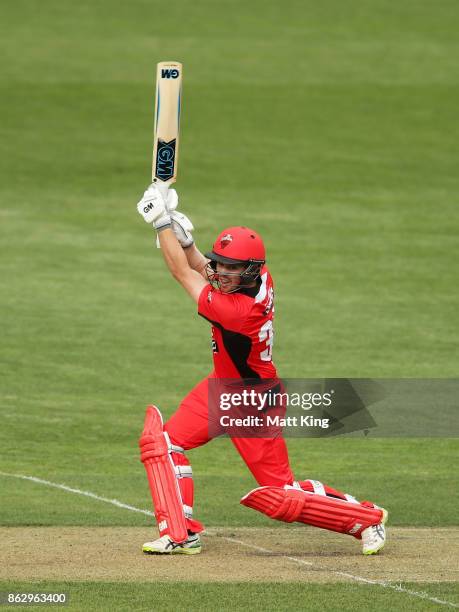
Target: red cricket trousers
[(266, 458)]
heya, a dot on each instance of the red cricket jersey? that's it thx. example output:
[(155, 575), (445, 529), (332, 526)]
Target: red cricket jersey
[(242, 329)]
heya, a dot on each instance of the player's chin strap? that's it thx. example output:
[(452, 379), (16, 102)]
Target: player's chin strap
[(291, 503), (155, 453)]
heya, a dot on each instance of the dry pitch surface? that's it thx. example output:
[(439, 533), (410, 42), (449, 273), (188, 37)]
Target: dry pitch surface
[(242, 554)]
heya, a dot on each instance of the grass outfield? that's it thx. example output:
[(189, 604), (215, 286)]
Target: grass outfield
[(332, 129), (103, 459), (205, 596)]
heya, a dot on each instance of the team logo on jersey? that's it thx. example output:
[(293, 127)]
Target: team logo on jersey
[(226, 240)]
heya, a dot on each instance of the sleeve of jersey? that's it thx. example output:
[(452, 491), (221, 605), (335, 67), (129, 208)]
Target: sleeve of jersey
[(228, 310)]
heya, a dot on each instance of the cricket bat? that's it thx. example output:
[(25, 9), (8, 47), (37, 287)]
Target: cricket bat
[(167, 124)]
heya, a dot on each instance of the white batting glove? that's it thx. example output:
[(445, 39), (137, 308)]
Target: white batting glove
[(182, 227), (152, 207), (172, 200)]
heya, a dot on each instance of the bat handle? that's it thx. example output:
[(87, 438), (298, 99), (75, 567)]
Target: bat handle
[(163, 188)]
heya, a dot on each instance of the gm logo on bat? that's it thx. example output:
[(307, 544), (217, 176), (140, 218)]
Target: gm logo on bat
[(170, 73), (165, 160)]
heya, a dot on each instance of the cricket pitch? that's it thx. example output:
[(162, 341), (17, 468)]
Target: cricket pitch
[(241, 554)]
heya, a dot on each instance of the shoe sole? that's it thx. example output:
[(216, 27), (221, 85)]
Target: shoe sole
[(385, 516), (181, 551)]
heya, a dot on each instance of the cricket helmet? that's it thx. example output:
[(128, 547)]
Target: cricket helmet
[(238, 245), (235, 245)]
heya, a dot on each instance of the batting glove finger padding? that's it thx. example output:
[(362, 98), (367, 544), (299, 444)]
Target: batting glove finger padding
[(182, 227), (172, 200)]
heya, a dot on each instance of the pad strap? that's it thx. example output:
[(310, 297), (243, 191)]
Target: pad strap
[(318, 487), (188, 510), (350, 498), (183, 471)]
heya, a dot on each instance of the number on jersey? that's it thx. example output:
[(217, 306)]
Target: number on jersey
[(266, 334)]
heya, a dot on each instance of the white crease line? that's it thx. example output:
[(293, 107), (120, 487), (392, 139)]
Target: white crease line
[(114, 502), (387, 585)]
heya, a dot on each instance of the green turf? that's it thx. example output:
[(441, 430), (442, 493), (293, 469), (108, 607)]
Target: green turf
[(392, 472), (185, 596), (331, 128)]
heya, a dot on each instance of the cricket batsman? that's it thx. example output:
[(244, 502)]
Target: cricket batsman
[(233, 290)]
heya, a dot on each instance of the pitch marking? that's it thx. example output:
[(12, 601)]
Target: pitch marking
[(381, 583), (359, 579), (114, 502)]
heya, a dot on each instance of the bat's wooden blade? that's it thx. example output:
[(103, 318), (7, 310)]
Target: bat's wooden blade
[(167, 122)]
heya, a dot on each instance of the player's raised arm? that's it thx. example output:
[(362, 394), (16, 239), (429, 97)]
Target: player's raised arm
[(154, 210), (175, 258), (196, 259), (183, 227)]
